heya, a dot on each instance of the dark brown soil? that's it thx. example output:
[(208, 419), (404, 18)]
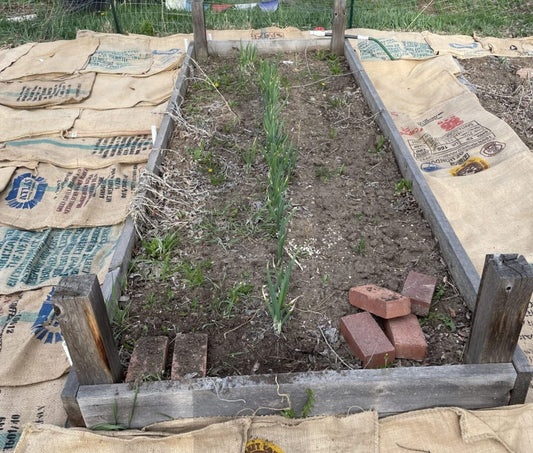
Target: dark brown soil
[(352, 225), (502, 92)]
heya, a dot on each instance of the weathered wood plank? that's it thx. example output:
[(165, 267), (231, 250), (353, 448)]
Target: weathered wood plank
[(388, 391), (198, 29), (70, 402), (524, 374), (268, 46), (81, 312), (460, 266), (503, 298), (338, 27)]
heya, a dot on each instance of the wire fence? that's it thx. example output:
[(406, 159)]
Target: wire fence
[(35, 20)]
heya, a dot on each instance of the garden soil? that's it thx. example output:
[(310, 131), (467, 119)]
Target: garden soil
[(354, 222)]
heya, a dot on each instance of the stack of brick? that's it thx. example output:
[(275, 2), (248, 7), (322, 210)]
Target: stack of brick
[(401, 335)]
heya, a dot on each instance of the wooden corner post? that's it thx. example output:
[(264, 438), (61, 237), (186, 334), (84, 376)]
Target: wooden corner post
[(80, 310), (339, 27), (503, 297), (198, 29)]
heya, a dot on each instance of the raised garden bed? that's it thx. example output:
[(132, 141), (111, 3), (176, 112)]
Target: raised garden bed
[(387, 390)]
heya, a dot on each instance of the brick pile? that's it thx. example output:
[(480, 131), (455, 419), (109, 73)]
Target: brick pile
[(398, 333)]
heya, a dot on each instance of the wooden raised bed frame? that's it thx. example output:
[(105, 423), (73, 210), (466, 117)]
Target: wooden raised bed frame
[(387, 391)]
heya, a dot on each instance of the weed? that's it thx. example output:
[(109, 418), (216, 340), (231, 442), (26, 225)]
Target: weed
[(249, 155), (332, 133), (360, 247), (403, 187), (325, 173), (439, 292), (248, 58), (324, 280), (334, 64), (306, 410), (446, 320), (236, 294), (161, 248), (193, 274), (379, 147)]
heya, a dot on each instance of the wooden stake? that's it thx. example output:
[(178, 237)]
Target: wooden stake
[(339, 27), (198, 28), (502, 301), (81, 312)]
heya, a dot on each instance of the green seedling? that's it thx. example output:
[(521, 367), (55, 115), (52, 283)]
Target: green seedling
[(334, 64), (238, 293), (193, 274), (446, 320), (379, 147), (360, 247), (403, 187), (325, 173), (439, 292), (162, 247), (276, 299)]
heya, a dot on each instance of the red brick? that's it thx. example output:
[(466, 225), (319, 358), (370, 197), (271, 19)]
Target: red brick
[(380, 301), (366, 340), (419, 288), (189, 359), (407, 337), (149, 358)]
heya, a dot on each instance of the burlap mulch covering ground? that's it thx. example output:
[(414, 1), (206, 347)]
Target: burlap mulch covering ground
[(442, 430), (33, 259), (89, 153), (54, 197)]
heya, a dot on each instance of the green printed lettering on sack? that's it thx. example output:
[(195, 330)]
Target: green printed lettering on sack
[(412, 49), (117, 59), (34, 257)]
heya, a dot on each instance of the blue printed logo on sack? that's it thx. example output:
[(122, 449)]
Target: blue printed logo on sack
[(27, 191), (46, 326)]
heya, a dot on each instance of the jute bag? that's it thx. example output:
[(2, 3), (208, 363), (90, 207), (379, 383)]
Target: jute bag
[(353, 433), (36, 403), (33, 259), (227, 437), (117, 91), (452, 430), (88, 153), (167, 52), (110, 123), (402, 45), (460, 46), (55, 57), (119, 54), (31, 344), (9, 56), (18, 123), (412, 87), (507, 47), (54, 197), (37, 93), (5, 176)]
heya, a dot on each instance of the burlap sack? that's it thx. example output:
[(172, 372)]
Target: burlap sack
[(263, 33), (36, 403), (55, 57), (452, 430), (507, 47), (111, 123), (18, 123), (275, 434), (402, 45), (119, 54), (9, 56), (54, 197), (167, 52), (33, 259), (75, 153), (411, 87), (117, 92), (458, 137), (459, 46), (227, 437), (31, 349), (5, 176), (37, 93)]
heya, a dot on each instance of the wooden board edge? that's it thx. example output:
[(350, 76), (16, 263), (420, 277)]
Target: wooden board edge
[(268, 46), (388, 391)]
